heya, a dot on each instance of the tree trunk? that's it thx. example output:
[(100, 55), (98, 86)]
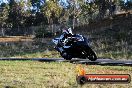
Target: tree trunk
[(3, 32), (73, 24)]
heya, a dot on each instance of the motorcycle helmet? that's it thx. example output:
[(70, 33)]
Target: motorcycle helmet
[(67, 31)]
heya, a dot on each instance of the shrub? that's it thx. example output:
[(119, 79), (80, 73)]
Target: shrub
[(43, 33)]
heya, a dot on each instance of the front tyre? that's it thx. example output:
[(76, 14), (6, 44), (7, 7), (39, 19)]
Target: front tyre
[(91, 55)]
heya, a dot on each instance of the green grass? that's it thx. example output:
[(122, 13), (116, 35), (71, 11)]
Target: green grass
[(29, 74), (35, 49), (110, 38), (103, 48), (44, 54)]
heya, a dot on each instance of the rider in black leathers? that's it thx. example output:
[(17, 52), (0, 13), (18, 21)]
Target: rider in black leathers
[(66, 32)]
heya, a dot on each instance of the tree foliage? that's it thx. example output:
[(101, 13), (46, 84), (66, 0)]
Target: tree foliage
[(4, 14), (4, 17), (26, 13), (52, 11)]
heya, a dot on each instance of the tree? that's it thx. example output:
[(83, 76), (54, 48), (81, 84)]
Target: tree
[(3, 17), (16, 13), (81, 11), (128, 5), (36, 4), (52, 11)]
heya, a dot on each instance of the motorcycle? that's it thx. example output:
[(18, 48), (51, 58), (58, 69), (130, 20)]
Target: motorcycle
[(75, 46)]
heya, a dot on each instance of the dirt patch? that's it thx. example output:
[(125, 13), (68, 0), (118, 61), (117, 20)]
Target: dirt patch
[(15, 39)]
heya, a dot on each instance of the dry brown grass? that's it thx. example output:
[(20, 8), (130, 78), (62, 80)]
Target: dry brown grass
[(29, 74), (16, 38)]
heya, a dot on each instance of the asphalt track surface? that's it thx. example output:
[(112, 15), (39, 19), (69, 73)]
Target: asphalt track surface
[(100, 61)]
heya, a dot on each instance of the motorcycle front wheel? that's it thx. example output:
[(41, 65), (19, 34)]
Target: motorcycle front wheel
[(91, 54)]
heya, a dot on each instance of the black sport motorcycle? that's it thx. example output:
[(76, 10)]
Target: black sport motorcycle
[(75, 46)]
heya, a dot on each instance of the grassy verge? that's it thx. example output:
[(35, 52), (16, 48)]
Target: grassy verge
[(113, 40), (39, 49), (44, 54), (28, 49), (28, 74)]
